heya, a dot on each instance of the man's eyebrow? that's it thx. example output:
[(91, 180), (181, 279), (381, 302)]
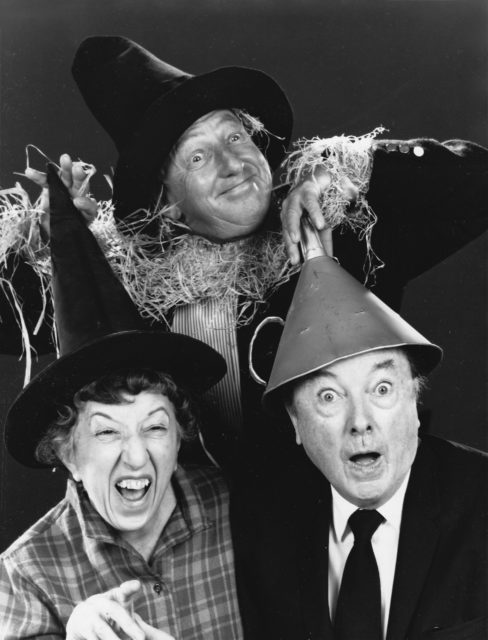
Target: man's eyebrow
[(384, 364), (323, 373), (186, 137)]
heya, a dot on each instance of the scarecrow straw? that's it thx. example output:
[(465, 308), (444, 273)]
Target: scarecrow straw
[(161, 273), (179, 268), (346, 159)]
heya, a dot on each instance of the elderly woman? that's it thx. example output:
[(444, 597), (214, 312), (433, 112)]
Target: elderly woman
[(139, 545)]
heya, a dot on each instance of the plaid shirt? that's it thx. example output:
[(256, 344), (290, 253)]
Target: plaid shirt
[(188, 586)]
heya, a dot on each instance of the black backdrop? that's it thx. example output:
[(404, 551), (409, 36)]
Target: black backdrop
[(418, 67)]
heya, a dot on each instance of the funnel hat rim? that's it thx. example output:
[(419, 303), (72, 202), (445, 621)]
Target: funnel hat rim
[(426, 357)]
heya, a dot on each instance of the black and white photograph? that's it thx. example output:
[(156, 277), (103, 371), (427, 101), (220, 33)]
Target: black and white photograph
[(243, 319)]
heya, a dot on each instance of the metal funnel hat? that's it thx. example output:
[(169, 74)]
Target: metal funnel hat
[(332, 317)]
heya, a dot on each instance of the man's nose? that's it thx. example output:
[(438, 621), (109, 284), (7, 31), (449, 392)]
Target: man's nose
[(134, 451), (229, 162), (360, 419)]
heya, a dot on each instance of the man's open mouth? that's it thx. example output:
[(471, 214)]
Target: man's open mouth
[(133, 489), (365, 459)]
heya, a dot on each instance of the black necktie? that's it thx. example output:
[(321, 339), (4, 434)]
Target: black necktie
[(358, 611)]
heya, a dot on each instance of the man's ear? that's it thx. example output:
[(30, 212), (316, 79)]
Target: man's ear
[(290, 409), (173, 212)]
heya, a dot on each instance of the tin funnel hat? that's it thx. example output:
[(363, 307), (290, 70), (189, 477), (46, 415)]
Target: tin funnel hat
[(99, 331), (333, 317)]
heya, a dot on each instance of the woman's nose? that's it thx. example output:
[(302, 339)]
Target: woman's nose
[(134, 451)]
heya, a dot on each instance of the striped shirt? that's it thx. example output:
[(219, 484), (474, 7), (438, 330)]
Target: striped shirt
[(215, 323), (188, 586)]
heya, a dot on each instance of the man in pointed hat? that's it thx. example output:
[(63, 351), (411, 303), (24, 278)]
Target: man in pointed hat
[(140, 545), (375, 533), (199, 150)]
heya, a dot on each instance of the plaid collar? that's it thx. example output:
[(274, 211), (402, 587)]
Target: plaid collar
[(188, 517)]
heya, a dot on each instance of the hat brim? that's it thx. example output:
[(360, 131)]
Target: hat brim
[(192, 364), (141, 160)]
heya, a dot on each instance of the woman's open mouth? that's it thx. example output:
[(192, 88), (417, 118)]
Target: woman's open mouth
[(133, 489)]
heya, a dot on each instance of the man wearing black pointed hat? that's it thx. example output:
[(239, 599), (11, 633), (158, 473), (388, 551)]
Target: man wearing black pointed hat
[(199, 150), (375, 533), (140, 545)]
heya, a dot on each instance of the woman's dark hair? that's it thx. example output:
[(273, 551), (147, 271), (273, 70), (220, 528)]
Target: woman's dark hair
[(113, 389)]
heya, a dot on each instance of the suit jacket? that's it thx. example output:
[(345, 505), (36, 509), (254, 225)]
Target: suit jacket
[(280, 520)]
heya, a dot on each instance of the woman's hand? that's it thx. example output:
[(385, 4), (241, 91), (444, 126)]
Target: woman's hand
[(101, 615)]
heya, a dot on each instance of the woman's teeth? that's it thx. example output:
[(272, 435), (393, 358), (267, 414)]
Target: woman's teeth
[(133, 488)]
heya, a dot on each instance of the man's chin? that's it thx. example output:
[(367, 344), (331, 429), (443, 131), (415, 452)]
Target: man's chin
[(230, 231)]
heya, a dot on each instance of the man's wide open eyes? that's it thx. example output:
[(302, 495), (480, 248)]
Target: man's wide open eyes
[(238, 136), (383, 388), (196, 158), (328, 396)]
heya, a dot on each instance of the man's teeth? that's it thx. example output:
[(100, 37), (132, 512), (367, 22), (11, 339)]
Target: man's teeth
[(133, 483)]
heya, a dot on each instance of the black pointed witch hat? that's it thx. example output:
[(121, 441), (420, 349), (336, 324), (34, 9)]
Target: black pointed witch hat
[(99, 331), (146, 104)]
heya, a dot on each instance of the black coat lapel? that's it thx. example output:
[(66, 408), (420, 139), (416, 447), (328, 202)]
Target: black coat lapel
[(314, 568), (418, 539)]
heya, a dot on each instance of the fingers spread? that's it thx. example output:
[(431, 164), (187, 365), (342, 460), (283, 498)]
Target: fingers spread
[(312, 206), (66, 170), (80, 178), (38, 177), (291, 248), (87, 206), (291, 214)]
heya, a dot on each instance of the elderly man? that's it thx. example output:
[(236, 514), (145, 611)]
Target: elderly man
[(140, 547), (199, 151), (376, 533)]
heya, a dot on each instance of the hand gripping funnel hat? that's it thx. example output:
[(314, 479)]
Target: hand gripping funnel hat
[(333, 317), (99, 331), (146, 105)]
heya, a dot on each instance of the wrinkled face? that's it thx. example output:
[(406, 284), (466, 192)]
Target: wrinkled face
[(125, 455), (218, 179), (357, 420)]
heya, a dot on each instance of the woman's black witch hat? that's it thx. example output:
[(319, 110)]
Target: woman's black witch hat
[(99, 331)]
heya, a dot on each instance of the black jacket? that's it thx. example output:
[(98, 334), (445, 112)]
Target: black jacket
[(280, 520)]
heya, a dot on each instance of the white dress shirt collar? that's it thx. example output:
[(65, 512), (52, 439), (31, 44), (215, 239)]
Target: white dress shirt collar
[(342, 509)]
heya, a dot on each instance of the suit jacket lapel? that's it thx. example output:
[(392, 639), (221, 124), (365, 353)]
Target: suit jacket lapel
[(315, 563), (418, 539)]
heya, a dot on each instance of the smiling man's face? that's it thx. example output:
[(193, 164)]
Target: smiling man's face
[(125, 455), (357, 420), (218, 179)]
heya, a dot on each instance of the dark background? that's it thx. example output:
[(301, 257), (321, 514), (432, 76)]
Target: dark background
[(418, 67)]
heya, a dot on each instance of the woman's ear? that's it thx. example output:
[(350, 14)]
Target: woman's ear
[(66, 455)]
